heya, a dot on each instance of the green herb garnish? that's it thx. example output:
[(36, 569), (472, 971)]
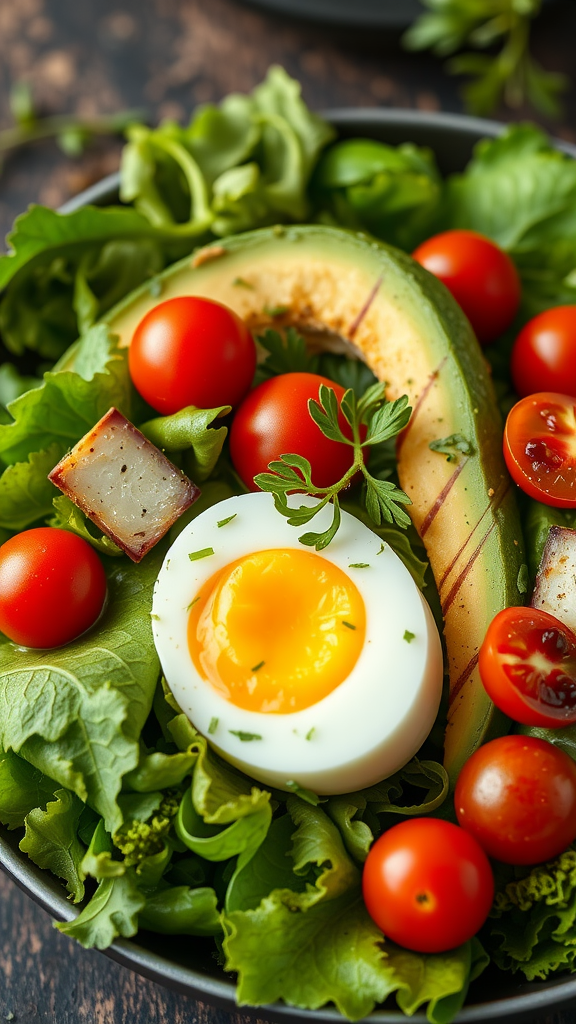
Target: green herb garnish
[(154, 616), (203, 553), (224, 522), (348, 624), (239, 282), (305, 794), (287, 353), (452, 447), (384, 500), (246, 737), (275, 311), (258, 666), (408, 636), (359, 565), (213, 726), (192, 603), (310, 732)]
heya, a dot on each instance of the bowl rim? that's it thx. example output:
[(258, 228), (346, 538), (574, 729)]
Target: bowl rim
[(47, 891)]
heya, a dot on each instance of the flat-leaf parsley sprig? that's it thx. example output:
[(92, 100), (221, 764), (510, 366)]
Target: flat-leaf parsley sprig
[(384, 500)]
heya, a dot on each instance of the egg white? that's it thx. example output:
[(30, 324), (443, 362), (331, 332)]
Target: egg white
[(374, 721)]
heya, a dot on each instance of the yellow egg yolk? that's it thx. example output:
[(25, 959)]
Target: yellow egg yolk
[(277, 631)]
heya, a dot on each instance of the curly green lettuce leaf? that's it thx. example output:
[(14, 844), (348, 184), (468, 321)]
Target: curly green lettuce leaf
[(181, 910), (22, 789), (157, 770), (51, 840), (76, 712), (220, 843), (271, 867), (190, 431), (104, 276), (112, 912), (333, 952), (220, 794), (534, 919), (26, 494), (69, 403), (13, 383), (70, 517)]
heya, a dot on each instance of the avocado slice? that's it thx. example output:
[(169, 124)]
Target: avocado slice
[(393, 314)]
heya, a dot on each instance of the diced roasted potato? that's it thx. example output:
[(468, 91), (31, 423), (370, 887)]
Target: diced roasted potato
[(124, 484), (555, 587)]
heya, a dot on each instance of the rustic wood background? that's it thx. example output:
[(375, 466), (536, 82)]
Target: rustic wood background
[(99, 56)]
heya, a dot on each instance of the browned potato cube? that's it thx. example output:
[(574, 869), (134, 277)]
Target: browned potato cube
[(124, 484)]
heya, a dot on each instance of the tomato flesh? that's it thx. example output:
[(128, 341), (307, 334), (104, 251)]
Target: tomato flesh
[(480, 275), (528, 667), (540, 447), (428, 885), (52, 587), (544, 353), (274, 420), (517, 796), (191, 351)]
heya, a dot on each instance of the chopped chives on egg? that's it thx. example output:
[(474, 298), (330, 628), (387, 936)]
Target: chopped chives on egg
[(224, 522), (348, 624), (310, 732), (359, 565), (203, 553), (192, 603), (382, 548), (154, 616), (258, 666), (245, 737), (408, 636), (213, 726)]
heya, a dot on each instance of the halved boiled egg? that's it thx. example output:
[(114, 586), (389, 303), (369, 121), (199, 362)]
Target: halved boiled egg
[(323, 669)]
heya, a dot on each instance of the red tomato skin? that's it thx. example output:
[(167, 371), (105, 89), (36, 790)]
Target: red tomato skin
[(191, 351), (544, 353), (52, 587), (480, 275), (527, 422), (517, 796), (428, 885), (274, 420), (509, 629)]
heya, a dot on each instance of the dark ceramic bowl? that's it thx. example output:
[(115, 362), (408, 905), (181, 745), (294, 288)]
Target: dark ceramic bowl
[(384, 14), (188, 965)]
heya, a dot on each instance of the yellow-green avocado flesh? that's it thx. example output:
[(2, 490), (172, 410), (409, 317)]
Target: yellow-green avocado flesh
[(412, 334)]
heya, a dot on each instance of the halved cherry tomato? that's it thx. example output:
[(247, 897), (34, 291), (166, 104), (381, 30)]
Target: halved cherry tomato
[(517, 796), (480, 275), (273, 420), (528, 667), (191, 351), (544, 353), (52, 587), (540, 447), (428, 885)]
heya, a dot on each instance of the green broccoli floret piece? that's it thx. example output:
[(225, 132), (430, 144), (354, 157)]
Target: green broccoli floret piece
[(138, 840)]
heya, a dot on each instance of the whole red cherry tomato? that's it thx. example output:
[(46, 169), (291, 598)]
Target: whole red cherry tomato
[(428, 885), (540, 447), (517, 796), (544, 353), (274, 420), (480, 275), (191, 351), (52, 587), (528, 667)]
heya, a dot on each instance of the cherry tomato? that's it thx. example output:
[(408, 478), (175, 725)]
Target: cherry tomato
[(428, 885), (274, 420), (52, 587), (528, 667), (517, 796), (480, 275), (544, 353), (540, 447), (191, 351)]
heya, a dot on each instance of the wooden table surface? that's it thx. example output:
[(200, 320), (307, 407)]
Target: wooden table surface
[(99, 56)]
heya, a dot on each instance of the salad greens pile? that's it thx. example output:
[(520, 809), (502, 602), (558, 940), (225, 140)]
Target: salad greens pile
[(110, 786)]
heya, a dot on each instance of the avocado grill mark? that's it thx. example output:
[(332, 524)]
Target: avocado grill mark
[(437, 504), (462, 577), (462, 678), (365, 309), (492, 504), (418, 405)]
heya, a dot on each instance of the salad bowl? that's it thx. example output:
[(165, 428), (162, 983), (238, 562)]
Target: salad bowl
[(190, 967)]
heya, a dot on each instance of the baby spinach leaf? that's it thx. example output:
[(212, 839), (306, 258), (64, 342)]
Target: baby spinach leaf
[(77, 712), (51, 840), (181, 910)]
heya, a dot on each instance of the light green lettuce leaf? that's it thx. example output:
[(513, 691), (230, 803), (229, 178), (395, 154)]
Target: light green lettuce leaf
[(317, 842), (216, 842), (181, 910), (22, 789), (112, 912), (77, 712), (157, 770), (13, 384), (98, 860), (26, 494), (139, 806), (220, 794), (441, 979), (190, 430), (68, 403), (70, 517), (271, 867), (51, 840), (223, 137)]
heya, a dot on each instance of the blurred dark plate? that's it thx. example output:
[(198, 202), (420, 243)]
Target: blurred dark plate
[(363, 13), (187, 964)]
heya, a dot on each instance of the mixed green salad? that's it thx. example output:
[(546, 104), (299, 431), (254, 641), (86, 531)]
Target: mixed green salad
[(110, 785)]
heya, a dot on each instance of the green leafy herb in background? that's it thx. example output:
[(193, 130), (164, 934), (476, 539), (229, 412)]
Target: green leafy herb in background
[(511, 74)]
